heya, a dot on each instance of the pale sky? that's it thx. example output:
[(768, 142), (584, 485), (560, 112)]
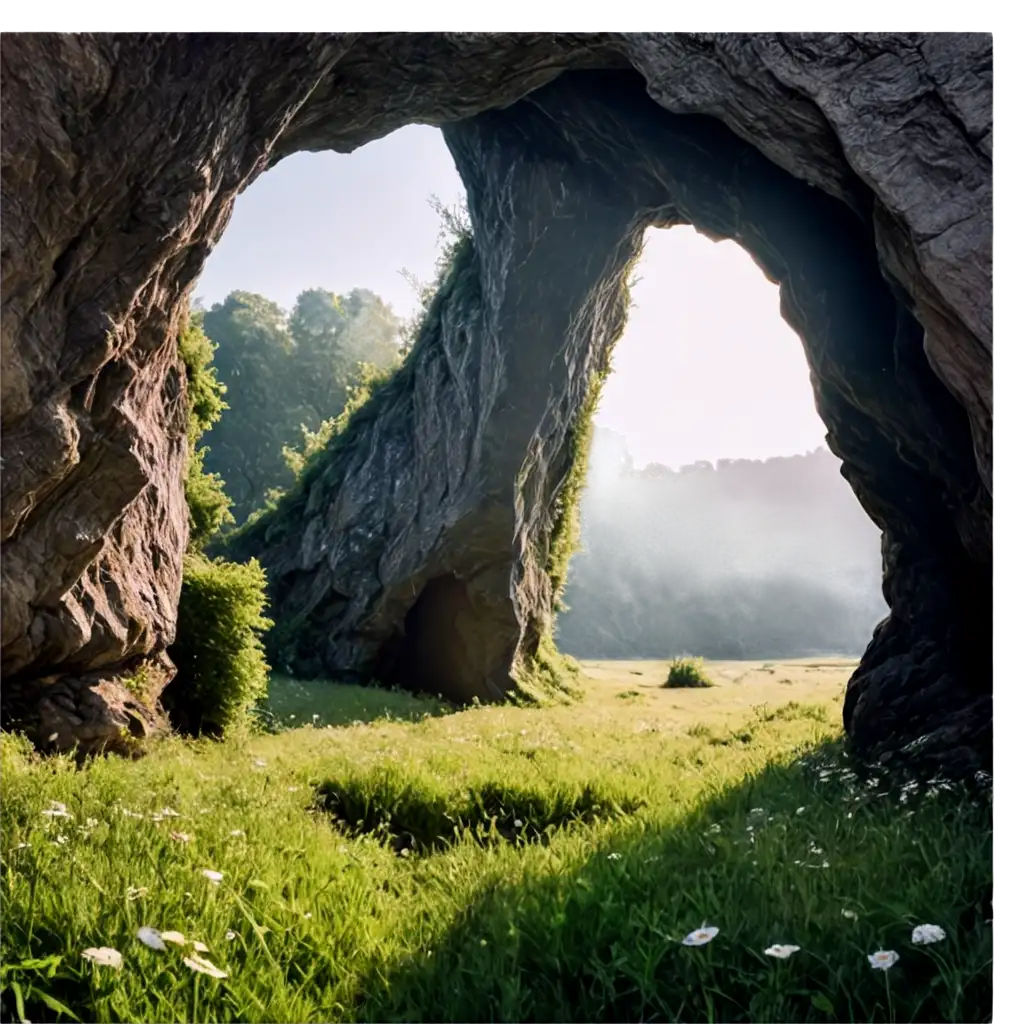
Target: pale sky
[(706, 368)]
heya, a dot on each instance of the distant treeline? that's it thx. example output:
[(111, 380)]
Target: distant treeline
[(745, 559), (740, 560)]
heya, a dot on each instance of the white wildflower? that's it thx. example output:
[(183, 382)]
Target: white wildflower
[(259, 763), (214, 876), (851, 914), (781, 952), (518, 823), (135, 894), (229, 935), (925, 934), (202, 966), (235, 832), (883, 959), (701, 936), (56, 810), (615, 856), (181, 837), (150, 937), (104, 956)]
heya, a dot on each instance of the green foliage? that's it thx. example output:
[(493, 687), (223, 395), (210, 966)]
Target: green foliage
[(218, 651), (287, 373), (688, 673), (372, 392), (205, 392), (368, 380), (209, 507), (454, 232), (332, 922)]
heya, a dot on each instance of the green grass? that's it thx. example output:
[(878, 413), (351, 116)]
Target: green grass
[(635, 828), (688, 673)]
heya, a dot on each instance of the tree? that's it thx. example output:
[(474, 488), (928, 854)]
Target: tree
[(253, 358)]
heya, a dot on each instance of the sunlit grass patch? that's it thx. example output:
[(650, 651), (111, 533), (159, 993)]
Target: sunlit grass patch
[(770, 837)]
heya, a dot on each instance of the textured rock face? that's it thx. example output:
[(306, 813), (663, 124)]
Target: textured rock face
[(122, 155)]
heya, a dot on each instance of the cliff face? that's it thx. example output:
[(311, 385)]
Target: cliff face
[(856, 169)]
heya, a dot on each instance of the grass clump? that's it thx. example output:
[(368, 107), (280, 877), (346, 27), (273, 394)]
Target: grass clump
[(222, 671), (687, 673)]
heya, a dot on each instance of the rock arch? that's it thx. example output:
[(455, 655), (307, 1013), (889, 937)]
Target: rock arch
[(856, 170)]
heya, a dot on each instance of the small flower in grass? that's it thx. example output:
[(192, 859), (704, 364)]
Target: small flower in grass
[(214, 876), (150, 937), (782, 952), (307, 915), (518, 823), (230, 935), (200, 947), (851, 914), (293, 789), (925, 934), (104, 956), (615, 856), (176, 937), (56, 810), (883, 959), (701, 936), (203, 966), (167, 812), (259, 763), (135, 894), (181, 837), (800, 810), (235, 832)]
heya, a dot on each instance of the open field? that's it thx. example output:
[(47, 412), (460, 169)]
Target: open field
[(395, 859)]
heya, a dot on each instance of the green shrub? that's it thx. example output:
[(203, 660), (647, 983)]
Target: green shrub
[(222, 670), (209, 507), (687, 672)]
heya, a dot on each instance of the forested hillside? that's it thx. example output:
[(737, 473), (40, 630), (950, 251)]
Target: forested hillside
[(745, 559)]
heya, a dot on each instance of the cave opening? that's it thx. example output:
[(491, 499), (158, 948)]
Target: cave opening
[(714, 521), (474, 449), (469, 467)]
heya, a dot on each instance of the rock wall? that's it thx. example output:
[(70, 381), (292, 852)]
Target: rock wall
[(121, 158)]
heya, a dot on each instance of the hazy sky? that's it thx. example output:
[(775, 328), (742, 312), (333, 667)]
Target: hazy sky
[(706, 368)]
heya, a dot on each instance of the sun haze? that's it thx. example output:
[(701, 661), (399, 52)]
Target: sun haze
[(706, 368)]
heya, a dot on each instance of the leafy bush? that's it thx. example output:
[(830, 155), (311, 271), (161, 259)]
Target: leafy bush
[(687, 672), (209, 507), (222, 670)]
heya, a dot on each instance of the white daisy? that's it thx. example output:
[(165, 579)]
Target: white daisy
[(202, 966), (150, 937), (701, 936), (104, 956), (925, 934), (883, 959), (781, 951)]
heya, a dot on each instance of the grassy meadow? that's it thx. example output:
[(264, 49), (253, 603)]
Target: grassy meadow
[(375, 856)]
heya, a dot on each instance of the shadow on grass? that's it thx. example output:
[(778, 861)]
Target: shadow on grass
[(291, 703), (416, 821), (804, 854)]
